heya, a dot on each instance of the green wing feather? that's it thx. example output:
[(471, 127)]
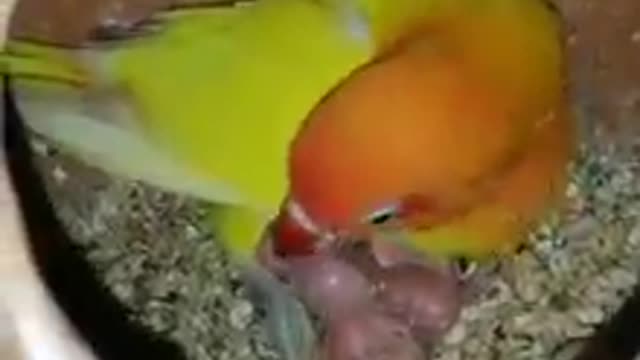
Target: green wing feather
[(207, 105)]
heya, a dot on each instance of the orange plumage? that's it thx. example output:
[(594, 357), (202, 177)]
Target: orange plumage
[(467, 117)]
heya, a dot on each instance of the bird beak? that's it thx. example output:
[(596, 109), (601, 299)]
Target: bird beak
[(293, 232)]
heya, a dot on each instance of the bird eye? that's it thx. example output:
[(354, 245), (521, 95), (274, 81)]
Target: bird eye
[(382, 215)]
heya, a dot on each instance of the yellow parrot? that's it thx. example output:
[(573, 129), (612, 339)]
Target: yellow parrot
[(471, 108), (443, 123)]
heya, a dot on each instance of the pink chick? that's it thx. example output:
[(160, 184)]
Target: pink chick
[(365, 333), (428, 299)]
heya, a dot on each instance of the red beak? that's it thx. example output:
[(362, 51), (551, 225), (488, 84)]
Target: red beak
[(290, 238)]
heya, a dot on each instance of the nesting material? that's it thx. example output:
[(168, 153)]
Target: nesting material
[(544, 302), (156, 255)]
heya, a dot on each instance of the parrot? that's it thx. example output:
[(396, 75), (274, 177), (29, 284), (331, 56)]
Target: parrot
[(436, 129), (475, 118)]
